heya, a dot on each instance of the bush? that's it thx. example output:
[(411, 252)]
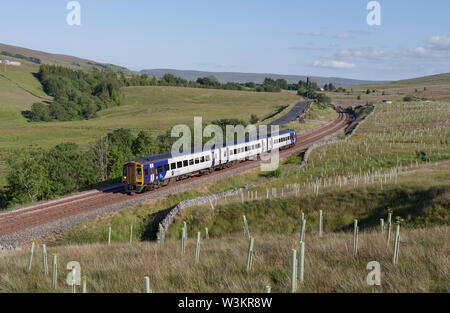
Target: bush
[(276, 173), (408, 99)]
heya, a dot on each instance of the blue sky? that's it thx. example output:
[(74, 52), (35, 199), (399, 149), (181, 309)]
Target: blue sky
[(321, 37)]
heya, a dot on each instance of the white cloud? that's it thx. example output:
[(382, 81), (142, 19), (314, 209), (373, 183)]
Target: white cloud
[(439, 42), (334, 64), (368, 53), (309, 33)]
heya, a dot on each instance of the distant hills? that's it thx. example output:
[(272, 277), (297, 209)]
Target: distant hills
[(236, 77)]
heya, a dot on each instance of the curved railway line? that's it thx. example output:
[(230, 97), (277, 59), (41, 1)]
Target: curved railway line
[(37, 215)]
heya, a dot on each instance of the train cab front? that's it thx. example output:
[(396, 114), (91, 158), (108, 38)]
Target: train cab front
[(132, 178)]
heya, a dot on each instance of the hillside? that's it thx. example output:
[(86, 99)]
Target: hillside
[(255, 77), (39, 57)]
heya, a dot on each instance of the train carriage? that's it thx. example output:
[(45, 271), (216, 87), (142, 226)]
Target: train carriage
[(152, 172)]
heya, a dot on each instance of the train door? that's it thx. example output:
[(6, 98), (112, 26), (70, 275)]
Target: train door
[(152, 173), (131, 173)]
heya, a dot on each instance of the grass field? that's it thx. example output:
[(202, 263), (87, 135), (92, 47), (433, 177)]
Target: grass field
[(150, 108), (423, 264)]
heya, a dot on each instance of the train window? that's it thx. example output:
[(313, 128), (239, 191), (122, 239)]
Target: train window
[(202, 159), (191, 162), (166, 167), (246, 148), (173, 166), (151, 171), (207, 158), (235, 151), (159, 170), (179, 164), (197, 161), (185, 163), (139, 172), (146, 172)]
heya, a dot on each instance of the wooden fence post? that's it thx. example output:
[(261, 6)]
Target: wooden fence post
[(109, 235)]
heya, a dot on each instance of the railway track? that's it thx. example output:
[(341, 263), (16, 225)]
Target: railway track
[(40, 214)]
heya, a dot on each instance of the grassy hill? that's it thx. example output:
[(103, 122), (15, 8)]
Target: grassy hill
[(57, 59), (434, 87), (255, 77)]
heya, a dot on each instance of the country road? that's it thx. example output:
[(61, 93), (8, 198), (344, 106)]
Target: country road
[(298, 109)]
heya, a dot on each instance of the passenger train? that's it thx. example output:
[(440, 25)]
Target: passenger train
[(152, 172)]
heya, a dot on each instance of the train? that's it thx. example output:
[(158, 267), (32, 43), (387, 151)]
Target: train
[(152, 172)]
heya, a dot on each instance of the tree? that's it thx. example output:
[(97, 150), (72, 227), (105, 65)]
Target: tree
[(322, 98), (68, 169), (119, 150), (367, 91), (27, 177), (40, 112), (99, 153), (143, 144), (254, 119)]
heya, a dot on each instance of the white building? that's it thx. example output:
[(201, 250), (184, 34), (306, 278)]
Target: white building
[(8, 62)]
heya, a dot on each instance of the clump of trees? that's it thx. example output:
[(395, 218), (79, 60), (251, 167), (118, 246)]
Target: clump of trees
[(308, 89), (36, 174), (77, 94)]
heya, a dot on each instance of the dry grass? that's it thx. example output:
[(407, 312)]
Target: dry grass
[(329, 265)]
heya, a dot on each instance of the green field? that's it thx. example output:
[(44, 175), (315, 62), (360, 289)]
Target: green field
[(154, 109), (423, 265)]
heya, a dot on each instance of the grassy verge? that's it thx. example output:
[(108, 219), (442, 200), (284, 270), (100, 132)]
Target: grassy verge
[(423, 265)]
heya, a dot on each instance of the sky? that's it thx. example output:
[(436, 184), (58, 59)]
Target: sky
[(316, 37)]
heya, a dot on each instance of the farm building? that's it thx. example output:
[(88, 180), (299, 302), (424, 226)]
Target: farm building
[(8, 62)]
